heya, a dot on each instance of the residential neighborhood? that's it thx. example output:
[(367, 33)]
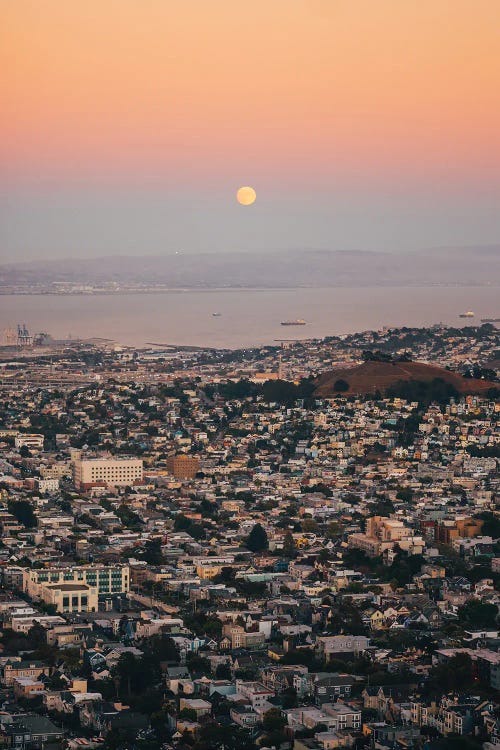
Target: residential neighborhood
[(208, 548)]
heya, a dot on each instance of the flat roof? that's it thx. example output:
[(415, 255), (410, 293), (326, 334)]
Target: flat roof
[(68, 586)]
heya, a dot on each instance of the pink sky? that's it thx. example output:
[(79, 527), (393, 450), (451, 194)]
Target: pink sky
[(272, 87)]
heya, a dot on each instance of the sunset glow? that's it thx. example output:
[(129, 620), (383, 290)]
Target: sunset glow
[(307, 88), (128, 125)]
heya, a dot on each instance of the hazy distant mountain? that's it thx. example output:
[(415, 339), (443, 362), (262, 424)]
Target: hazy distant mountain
[(272, 269)]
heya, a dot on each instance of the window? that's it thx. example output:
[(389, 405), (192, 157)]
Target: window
[(65, 601)]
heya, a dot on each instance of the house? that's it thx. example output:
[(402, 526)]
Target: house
[(174, 675), (13, 670), (31, 730), (341, 646), (200, 707), (244, 716), (324, 686)]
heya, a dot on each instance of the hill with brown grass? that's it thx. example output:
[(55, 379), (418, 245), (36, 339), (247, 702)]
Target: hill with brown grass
[(372, 376)]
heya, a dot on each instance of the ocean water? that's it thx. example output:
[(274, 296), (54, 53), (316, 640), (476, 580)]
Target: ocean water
[(247, 317)]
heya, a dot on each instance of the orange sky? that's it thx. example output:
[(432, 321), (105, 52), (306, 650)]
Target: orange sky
[(197, 88)]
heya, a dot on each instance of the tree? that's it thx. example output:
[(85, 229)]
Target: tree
[(404, 493), (475, 614), (341, 385), (273, 720), (198, 665), (189, 714), (223, 672), (23, 511), (310, 526), (456, 674), (491, 525), (37, 636), (152, 552), (129, 672), (257, 539), (289, 698), (334, 530), (289, 549)]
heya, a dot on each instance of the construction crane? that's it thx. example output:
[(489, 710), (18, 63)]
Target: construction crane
[(24, 338)]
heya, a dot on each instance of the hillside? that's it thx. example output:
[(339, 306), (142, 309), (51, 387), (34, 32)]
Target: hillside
[(371, 376)]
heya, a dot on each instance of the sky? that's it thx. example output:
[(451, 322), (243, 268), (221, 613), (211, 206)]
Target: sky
[(126, 126)]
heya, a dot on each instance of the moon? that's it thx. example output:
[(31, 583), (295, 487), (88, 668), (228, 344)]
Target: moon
[(246, 195)]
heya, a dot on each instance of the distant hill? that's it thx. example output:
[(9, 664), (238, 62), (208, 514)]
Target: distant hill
[(373, 376), (304, 268)]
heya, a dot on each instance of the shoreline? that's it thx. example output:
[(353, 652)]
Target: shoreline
[(239, 289)]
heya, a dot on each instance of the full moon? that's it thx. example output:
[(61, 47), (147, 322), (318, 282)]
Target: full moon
[(246, 196)]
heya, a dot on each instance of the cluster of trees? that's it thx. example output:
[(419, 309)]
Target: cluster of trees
[(286, 393), (456, 675), (425, 392), (484, 373), (487, 451), (368, 355), (182, 523), (279, 391), (475, 614), (400, 572)]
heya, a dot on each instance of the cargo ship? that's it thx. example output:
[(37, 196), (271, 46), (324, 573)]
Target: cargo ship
[(490, 320), (468, 314), (298, 322)]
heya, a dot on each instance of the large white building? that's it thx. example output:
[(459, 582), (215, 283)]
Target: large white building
[(31, 440), (102, 580), (100, 472)]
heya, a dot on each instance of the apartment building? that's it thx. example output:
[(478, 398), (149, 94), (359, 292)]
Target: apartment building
[(183, 466), (383, 534), (13, 670), (100, 472), (29, 440)]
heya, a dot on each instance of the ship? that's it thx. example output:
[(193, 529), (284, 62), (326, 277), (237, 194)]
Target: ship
[(216, 315), (298, 322), (490, 320), (468, 314)]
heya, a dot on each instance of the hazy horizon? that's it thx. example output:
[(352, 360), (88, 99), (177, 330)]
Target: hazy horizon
[(81, 223)]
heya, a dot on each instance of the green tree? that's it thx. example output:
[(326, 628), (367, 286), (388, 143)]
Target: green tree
[(23, 511), (289, 549), (189, 714), (456, 674), (491, 525), (223, 672), (475, 614), (273, 720), (334, 530), (257, 539), (341, 385)]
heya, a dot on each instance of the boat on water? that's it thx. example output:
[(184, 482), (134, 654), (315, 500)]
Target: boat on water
[(468, 314), (216, 315), (490, 320), (298, 322)]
